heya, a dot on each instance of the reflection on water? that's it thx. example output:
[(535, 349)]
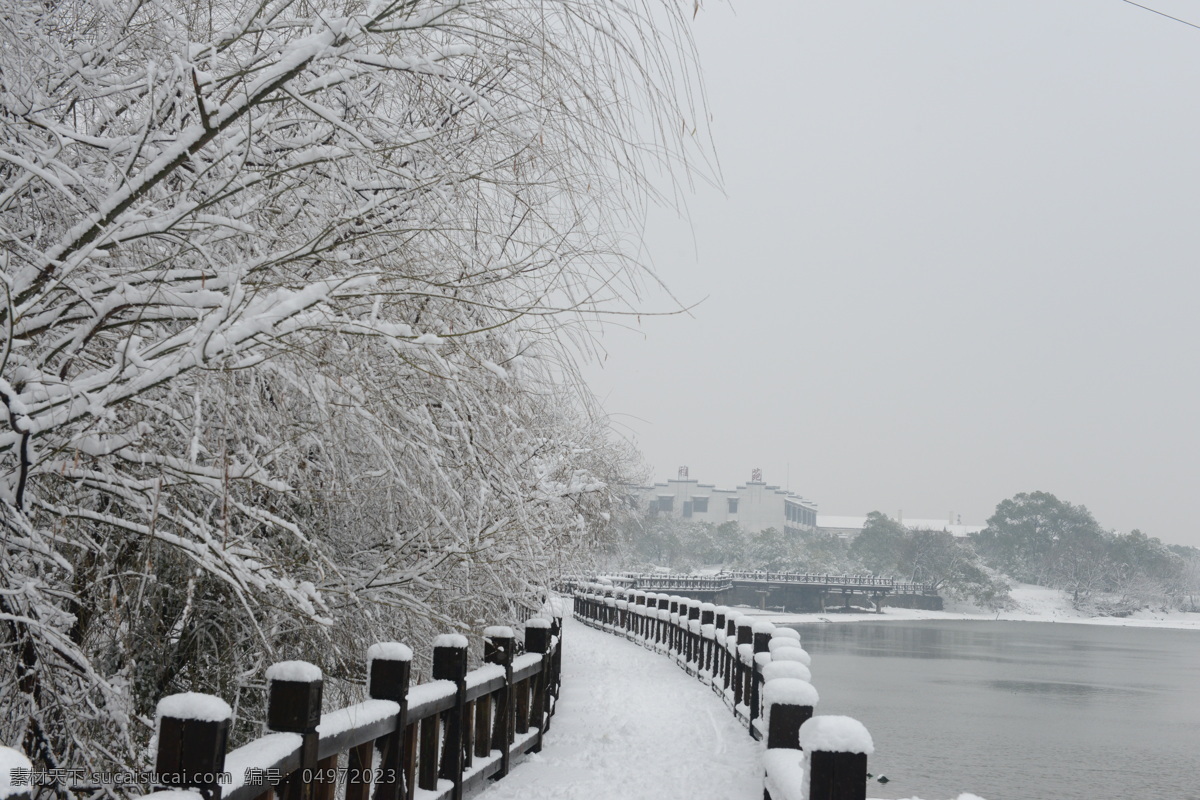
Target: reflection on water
[(1016, 710)]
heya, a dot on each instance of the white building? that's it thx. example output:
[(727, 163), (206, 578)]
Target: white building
[(755, 506)]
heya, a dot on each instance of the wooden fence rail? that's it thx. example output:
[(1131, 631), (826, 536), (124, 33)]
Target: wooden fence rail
[(760, 671), (725, 578), (446, 737)]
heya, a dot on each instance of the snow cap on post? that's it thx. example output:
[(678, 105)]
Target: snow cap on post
[(299, 671), (835, 734), (16, 774), (498, 631), (792, 654), (786, 633), (779, 644), (389, 651), (786, 669), (455, 640), (790, 692), (194, 705), (763, 626), (537, 622)]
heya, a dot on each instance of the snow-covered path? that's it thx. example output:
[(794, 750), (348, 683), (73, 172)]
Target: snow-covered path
[(631, 725)]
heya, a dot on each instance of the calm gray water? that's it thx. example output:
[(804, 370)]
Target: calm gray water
[(1017, 710)]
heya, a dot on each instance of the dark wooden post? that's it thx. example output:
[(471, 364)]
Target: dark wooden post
[(742, 673), (537, 640), (389, 671), (717, 658), (762, 631), (193, 731), (681, 627), (685, 631), (707, 615), (730, 637), (498, 649), (556, 659), (664, 604), (450, 664), (788, 704), (294, 706), (693, 654), (762, 635), (427, 749), (836, 751)]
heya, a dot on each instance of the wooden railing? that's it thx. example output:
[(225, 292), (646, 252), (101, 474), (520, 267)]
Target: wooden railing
[(717, 583), (760, 671), (447, 736), (724, 580), (868, 581)]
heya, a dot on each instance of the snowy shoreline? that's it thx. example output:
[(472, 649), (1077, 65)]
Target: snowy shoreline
[(1031, 604)]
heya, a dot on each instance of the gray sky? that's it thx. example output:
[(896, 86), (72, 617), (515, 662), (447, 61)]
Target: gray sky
[(955, 260)]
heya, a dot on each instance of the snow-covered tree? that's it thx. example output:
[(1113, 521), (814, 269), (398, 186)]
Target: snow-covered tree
[(288, 290)]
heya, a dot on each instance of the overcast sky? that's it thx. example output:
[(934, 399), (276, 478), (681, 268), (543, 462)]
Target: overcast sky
[(955, 259)]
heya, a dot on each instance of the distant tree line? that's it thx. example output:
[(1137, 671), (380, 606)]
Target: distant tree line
[(1032, 538), (1037, 538)]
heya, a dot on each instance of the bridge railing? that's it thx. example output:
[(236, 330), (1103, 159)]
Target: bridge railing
[(724, 580), (447, 736), (762, 674), (685, 583)]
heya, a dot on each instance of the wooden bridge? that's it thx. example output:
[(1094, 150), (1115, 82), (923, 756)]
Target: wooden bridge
[(789, 592)]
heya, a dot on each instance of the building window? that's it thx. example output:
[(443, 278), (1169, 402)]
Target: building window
[(733, 505), (700, 505), (666, 503), (687, 509)]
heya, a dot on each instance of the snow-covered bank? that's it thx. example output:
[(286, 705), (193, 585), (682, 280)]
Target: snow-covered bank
[(1031, 604)]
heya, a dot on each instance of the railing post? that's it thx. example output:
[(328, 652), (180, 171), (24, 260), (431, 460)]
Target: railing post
[(694, 622), (730, 639), (716, 660), (294, 706), (450, 664), (762, 631), (664, 604), (389, 671), (835, 755), (498, 649), (556, 664), (788, 704), (537, 640), (745, 636), (193, 731)]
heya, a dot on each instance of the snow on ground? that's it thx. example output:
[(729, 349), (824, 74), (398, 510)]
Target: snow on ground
[(1030, 604), (631, 725)]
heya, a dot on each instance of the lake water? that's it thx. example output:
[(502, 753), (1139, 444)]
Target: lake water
[(1017, 710)]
